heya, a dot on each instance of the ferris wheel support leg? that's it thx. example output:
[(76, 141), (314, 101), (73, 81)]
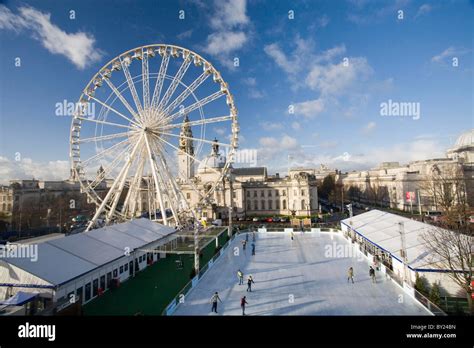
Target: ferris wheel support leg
[(111, 190), (155, 178)]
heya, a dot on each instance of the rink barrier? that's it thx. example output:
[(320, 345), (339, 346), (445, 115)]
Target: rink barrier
[(177, 300)]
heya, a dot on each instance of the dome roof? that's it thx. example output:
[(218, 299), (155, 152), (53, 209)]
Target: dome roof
[(465, 139)]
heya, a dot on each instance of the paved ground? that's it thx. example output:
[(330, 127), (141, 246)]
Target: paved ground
[(297, 278)]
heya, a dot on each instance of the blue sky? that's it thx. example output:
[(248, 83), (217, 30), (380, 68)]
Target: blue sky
[(284, 64)]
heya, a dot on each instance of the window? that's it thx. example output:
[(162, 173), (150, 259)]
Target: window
[(102, 282), (109, 278), (95, 287), (262, 205), (284, 204), (88, 292), (248, 193), (277, 204), (303, 204), (255, 193), (255, 205), (270, 205), (234, 194), (115, 273), (262, 193), (269, 193), (125, 267), (277, 193), (249, 207), (188, 195), (121, 270), (284, 193), (139, 259), (302, 192)]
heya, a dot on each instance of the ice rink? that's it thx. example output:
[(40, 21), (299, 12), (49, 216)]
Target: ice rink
[(297, 277)]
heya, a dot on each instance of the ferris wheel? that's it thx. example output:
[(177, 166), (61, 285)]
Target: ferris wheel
[(137, 113)]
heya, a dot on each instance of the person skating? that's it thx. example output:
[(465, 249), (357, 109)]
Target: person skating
[(253, 236), (241, 277), (246, 237), (214, 300), (243, 302), (244, 244), (249, 283), (292, 235), (253, 248), (372, 274), (350, 275)]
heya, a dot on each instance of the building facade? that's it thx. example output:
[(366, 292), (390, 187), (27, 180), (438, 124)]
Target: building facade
[(426, 185)]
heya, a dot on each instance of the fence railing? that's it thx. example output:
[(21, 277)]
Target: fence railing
[(171, 307), (428, 304)]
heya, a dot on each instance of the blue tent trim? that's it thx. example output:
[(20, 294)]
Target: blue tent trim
[(19, 299)]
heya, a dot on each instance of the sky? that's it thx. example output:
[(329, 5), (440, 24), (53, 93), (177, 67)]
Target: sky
[(309, 85)]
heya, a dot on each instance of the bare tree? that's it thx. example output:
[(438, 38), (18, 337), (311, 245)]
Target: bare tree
[(453, 251)]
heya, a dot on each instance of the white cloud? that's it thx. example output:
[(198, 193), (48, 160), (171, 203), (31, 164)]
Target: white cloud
[(79, 48), (333, 79), (230, 13), (449, 52), (296, 126), (219, 130), (230, 21), (27, 169), (274, 51), (423, 9), (369, 128), (225, 42), (185, 34), (250, 81), (309, 108), (271, 126)]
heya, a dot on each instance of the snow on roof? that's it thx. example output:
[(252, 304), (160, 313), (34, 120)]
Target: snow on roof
[(61, 260), (382, 229)]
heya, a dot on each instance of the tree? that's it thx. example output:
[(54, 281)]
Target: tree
[(435, 296), (451, 250), (327, 187), (420, 284)]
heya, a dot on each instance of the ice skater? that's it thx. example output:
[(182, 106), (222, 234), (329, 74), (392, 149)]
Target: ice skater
[(241, 277), (214, 300), (244, 244), (253, 236), (292, 235), (243, 302), (372, 274), (246, 237), (253, 248), (350, 275), (249, 283)]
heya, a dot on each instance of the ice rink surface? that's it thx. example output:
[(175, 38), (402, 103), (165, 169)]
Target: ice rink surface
[(297, 277)]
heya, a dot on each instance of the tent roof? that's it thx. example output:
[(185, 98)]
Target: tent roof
[(63, 259), (382, 229), (19, 299)]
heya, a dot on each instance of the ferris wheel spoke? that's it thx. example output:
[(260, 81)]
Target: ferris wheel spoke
[(101, 176), (103, 137), (131, 85), (120, 96), (159, 80), (196, 105), (134, 189), (112, 189), (171, 182), (198, 122), (192, 157), (145, 80), (186, 93), (197, 139), (174, 83), (104, 151), (155, 178), (103, 122)]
